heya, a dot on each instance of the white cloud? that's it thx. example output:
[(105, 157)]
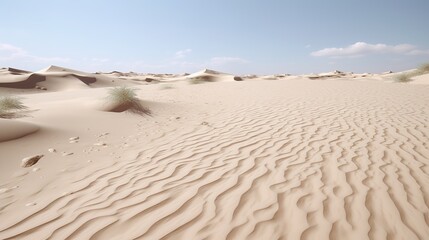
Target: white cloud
[(179, 62), (419, 52), (9, 50), (362, 48), (11, 54), (182, 63), (213, 63), (219, 61), (100, 60), (183, 53)]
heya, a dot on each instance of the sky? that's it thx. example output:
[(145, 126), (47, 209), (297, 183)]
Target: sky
[(233, 36)]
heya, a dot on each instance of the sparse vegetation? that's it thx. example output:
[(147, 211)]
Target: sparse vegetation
[(165, 86), (423, 69), (125, 98), (10, 107), (201, 79), (406, 77), (403, 78)]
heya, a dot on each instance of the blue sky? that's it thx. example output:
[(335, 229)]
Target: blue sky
[(235, 36)]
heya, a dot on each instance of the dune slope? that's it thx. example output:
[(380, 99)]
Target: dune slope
[(12, 129), (293, 159)]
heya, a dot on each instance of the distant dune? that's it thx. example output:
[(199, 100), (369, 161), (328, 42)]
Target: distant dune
[(334, 155)]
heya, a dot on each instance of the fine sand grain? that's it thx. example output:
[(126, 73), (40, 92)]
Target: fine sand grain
[(342, 157)]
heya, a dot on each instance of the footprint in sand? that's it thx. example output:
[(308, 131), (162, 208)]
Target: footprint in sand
[(74, 140)]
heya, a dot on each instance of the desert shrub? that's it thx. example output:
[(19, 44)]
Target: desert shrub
[(125, 98), (403, 78), (423, 68), (10, 106), (201, 79), (165, 86), (406, 77), (122, 95)]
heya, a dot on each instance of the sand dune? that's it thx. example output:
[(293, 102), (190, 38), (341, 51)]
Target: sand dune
[(421, 79), (29, 80), (11, 129), (203, 76), (56, 69), (334, 74), (55, 78), (207, 75), (288, 159)]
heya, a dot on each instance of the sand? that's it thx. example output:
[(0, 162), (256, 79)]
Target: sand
[(337, 156)]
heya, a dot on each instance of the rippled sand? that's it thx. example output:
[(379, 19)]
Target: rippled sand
[(286, 159)]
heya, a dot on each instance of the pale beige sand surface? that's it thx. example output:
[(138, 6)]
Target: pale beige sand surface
[(11, 129), (294, 158)]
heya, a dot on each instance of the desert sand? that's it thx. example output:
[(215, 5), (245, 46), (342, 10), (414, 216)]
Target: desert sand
[(320, 156)]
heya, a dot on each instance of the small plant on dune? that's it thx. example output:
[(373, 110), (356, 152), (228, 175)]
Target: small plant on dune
[(201, 79), (403, 78), (423, 68), (125, 98), (10, 106), (195, 81), (406, 77), (165, 86)]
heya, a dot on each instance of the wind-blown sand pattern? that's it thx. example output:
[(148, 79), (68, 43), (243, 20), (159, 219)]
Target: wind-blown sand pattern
[(286, 159)]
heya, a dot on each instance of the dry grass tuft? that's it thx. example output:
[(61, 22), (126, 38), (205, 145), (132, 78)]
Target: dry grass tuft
[(407, 77), (201, 79), (403, 78), (11, 106), (125, 98), (424, 68)]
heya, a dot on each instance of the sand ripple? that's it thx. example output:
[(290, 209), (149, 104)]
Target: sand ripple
[(347, 162)]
